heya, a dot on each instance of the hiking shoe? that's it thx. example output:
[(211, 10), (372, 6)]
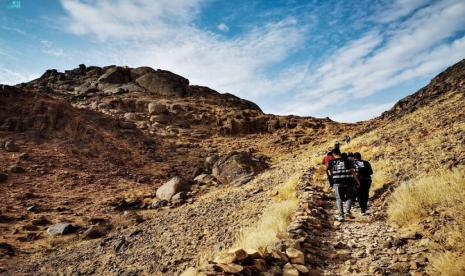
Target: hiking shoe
[(349, 215), (363, 213), (340, 218)]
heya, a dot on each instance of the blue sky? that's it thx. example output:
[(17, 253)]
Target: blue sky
[(349, 60)]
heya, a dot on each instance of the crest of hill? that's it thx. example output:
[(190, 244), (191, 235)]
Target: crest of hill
[(450, 80)]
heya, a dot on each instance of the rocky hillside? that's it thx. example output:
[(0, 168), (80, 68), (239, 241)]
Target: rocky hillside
[(93, 153)]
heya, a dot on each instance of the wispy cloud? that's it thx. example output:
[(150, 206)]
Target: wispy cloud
[(235, 65), (408, 40), (49, 49), (421, 45), (11, 77)]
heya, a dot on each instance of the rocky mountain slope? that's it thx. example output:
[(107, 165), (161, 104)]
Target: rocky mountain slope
[(91, 146)]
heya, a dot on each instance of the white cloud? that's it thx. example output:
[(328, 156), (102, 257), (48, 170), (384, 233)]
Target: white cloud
[(154, 39), (380, 60), (223, 27), (363, 112), (11, 77), (47, 48), (162, 34), (140, 19), (400, 8)]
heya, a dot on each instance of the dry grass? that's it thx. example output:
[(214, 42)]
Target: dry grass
[(443, 193), (274, 220)]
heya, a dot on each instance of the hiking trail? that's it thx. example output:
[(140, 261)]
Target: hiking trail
[(367, 245)]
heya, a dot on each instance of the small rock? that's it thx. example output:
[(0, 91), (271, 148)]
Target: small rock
[(17, 169), (62, 228), (3, 177), (95, 231), (6, 249), (231, 268), (301, 268), (23, 156), (40, 221), (11, 146), (159, 203), (179, 197), (32, 208), (290, 270), (296, 256)]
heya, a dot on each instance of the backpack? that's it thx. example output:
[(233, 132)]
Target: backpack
[(363, 169), (341, 171)]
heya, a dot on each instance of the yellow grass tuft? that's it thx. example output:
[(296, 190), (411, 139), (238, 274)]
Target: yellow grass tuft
[(443, 193), (414, 200), (274, 220)]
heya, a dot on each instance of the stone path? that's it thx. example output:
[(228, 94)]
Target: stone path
[(366, 245)]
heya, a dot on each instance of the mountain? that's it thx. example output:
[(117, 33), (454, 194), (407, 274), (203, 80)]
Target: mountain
[(92, 146)]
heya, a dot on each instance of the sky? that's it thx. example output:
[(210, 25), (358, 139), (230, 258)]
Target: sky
[(347, 60)]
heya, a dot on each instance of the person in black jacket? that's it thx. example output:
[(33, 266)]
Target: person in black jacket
[(344, 178), (364, 171)]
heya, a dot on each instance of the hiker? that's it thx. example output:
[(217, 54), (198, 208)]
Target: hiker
[(326, 160), (337, 145), (347, 139), (344, 179), (364, 171)]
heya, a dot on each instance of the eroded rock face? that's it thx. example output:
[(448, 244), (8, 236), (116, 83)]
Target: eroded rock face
[(173, 186), (164, 83), (115, 75), (237, 168)]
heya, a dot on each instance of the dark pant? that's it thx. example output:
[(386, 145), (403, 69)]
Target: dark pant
[(344, 193), (363, 193), (330, 179)]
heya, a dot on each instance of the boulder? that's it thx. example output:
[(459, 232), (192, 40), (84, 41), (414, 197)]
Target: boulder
[(115, 75), (95, 231), (161, 119), (131, 116), (140, 71), (61, 228), (173, 186), (164, 83), (237, 168), (296, 256), (206, 179), (11, 146), (156, 108)]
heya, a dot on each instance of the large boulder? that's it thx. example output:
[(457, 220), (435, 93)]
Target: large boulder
[(156, 108), (173, 186), (115, 75), (237, 168), (164, 83)]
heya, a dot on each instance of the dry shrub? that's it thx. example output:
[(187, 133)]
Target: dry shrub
[(275, 219), (444, 193), (414, 200), (448, 264)]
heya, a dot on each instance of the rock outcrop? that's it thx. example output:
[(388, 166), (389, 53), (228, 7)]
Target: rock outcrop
[(237, 168)]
